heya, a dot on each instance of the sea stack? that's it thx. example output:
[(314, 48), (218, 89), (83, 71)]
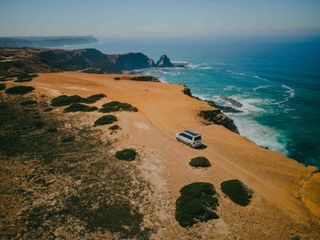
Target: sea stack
[(164, 61)]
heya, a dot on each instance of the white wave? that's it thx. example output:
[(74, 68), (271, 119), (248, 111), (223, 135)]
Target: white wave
[(179, 62), (206, 68), (193, 65), (290, 93), (230, 87), (288, 110), (262, 135), (260, 87), (238, 73), (290, 90), (261, 78), (250, 106), (203, 97), (198, 66)]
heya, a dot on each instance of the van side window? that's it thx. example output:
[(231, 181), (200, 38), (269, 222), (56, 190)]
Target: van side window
[(186, 136)]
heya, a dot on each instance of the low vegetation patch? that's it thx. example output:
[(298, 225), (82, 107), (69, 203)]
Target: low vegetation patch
[(117, 78), (28, 102), (198, 203), (115, 106), (20, 90), (145, 78), (106, 119), (2, 86), (237, 191), (78, 107), (5, 78), (200, 162), (62, 152), (114, 127), (128, 154), (65, 100), (93, 98)]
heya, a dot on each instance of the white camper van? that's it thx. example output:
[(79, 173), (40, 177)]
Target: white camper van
[(190, 138)]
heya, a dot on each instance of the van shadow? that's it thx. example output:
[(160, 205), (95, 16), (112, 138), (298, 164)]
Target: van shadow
[(201, 147)]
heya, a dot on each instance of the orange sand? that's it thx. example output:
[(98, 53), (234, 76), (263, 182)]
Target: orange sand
[(279, 183)]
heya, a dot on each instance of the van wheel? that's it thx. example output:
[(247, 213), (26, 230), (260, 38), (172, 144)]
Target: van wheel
[(178, 139)]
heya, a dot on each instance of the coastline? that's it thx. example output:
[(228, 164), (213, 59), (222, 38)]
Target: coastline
[(284, 189)]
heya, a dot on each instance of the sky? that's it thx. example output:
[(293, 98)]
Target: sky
[(159, 18)]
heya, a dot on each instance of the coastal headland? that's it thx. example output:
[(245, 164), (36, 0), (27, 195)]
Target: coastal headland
[(88, 155)]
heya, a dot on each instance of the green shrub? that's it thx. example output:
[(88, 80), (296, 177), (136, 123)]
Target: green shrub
[(106, 119), (128, 154), (28, 102), (38, 124), (200, 162), (198, 202), (114, 127), (19, 90), (2, 86), (93, 98), (65, 100), (78, 107), (5, 78), (237, 191), (115, 106), (145, 78)]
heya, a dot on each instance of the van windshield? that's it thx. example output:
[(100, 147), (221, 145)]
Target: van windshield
[(197, 138)]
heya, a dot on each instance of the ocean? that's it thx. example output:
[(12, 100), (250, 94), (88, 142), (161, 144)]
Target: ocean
[(276, 79)]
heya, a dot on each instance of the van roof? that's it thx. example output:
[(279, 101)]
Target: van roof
[(192, 133)]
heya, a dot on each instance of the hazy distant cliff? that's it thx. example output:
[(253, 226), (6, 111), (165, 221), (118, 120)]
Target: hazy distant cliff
[(45, 41)]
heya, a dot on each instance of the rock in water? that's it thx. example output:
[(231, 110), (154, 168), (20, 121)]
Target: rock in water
[(164, 61), (232, 101)]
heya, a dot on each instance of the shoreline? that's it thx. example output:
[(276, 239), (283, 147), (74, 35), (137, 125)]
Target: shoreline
[(284, 189)]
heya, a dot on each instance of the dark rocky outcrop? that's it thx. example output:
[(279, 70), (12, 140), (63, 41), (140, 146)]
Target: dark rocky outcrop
[(217, 117), (187, 92), (75, 59), (225, 109), (130, 61), (164, 61), (232, 101)]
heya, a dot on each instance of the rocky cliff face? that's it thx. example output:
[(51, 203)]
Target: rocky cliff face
[(164, 61), (74, 59), (90, 60), (217, 117), (130, 61)]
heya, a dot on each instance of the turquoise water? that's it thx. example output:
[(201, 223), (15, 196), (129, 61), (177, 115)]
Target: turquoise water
[(277, 80)]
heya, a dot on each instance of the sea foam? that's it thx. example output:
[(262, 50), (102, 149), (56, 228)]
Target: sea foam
[(260, 134)]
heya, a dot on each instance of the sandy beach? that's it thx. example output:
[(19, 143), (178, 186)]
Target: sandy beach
[(286, 194)]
